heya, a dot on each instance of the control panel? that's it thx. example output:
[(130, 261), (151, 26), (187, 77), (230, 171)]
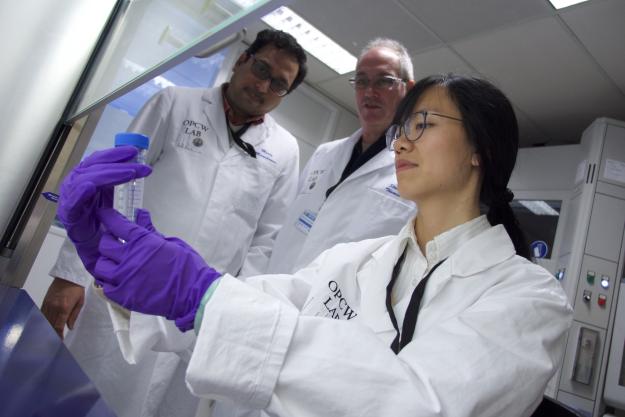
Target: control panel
[(594, 291)]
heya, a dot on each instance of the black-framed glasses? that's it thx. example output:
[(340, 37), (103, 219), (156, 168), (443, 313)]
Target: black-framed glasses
[(413, 127), (262, 71), (385, 82)]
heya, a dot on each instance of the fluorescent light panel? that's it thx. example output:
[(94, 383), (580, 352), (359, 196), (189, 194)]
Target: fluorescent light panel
[(560, 4), (312, 39), (539, 207)]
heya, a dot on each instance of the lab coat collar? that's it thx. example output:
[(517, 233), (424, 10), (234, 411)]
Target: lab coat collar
[(483, 251), (257, 133), (346, 152), (380, 160), (480, 253)]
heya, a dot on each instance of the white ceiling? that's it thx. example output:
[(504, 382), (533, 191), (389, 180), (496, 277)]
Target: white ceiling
[(560, 68)]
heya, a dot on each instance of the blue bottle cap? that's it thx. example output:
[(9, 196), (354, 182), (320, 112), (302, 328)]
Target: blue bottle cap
[(133, 139)]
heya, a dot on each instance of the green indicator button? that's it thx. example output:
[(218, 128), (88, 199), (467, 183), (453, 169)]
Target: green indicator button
[(590, 277)]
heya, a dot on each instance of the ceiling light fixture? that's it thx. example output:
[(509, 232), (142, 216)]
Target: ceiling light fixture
[(560, 4), (312, 40)]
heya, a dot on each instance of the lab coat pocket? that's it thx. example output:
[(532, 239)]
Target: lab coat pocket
[(252, 185)]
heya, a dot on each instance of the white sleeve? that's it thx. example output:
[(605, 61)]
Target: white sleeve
[(272, 218), (69, 267), (149, 121), (138, 334), (494, 359)]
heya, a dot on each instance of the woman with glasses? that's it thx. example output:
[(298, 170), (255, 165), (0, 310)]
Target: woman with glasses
[(449, 317)]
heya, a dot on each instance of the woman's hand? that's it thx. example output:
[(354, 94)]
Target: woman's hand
[(144, 271)]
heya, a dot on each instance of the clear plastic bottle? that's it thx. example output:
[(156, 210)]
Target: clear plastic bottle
[(129, 196)]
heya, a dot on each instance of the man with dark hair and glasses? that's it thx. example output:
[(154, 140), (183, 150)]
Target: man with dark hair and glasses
[(348, 191), (224, 174)]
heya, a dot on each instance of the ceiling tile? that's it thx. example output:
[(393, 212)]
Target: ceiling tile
[(439, 60), (604, 41), (318, 71), (545, 72), (352, 23), (453, 19)]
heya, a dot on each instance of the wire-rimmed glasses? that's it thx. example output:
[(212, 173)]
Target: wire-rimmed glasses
[(263, 73), (413, 127), (385, 82)]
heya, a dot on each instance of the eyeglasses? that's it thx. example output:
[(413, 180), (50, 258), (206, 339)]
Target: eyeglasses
[(262, 71), (385, 82), (413, 127)]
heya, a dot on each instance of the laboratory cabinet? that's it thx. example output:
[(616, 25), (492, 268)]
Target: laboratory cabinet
[(591, 265)]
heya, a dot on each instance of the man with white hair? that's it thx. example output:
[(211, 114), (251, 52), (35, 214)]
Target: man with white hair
[(348, 190)]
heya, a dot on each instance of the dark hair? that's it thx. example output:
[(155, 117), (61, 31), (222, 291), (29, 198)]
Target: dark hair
[(286, 42), (491, 126)]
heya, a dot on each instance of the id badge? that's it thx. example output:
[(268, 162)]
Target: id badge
[(305, 221)]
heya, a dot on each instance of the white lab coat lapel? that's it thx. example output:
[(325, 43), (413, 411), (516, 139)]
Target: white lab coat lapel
[(256, 134), (475, 256), (381, 160), (340, 163), (373, 280), (214, 110)]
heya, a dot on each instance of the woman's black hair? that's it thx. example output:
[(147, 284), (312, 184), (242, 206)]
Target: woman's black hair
[(491, 127), (286, 42)]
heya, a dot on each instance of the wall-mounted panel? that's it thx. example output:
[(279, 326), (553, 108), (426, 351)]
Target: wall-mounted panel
[(605, 231)]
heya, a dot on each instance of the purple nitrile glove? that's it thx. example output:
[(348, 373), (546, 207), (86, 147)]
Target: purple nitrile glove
[(89, 186), (150, 273)]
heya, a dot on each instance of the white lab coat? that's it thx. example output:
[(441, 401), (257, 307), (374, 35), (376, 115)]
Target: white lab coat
[(227, 205), (365, 205), (491, 332)]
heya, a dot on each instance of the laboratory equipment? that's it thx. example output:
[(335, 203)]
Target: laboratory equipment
[(592, 256), (128, 197)]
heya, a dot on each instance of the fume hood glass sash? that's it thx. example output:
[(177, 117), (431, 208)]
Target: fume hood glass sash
[(151, 36)]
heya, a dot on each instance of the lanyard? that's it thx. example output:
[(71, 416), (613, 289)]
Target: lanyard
[(236, 137), (412, 312)]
